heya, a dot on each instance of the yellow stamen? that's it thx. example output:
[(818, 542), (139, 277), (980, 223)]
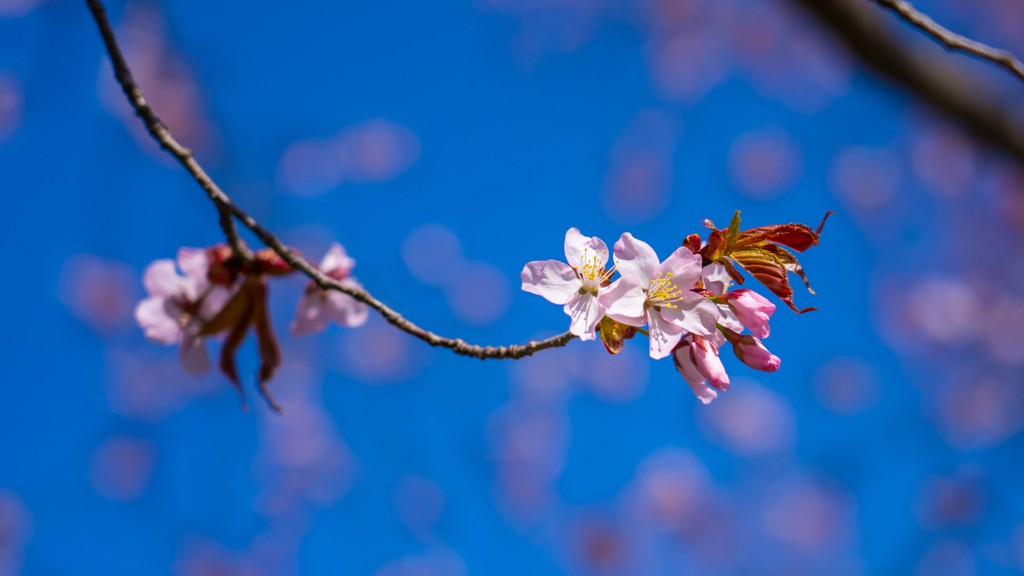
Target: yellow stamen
[(663, 292), (592, 271)]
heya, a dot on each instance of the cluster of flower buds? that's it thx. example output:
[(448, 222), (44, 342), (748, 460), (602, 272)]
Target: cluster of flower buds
[(221, 292), (684, 300)]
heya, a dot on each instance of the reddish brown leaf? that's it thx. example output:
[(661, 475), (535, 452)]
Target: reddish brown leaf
[(799, 237), (227, 353), (716, 247), (770, 271), (822, 225), (791, 263), (761, 252), (733, 272), (270, 351), (231, 314)]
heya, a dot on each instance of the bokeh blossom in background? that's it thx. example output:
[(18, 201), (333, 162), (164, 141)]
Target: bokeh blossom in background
[(445, 145)]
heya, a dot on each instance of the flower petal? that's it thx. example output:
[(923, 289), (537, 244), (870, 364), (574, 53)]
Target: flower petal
[(624, 301), (580, 250), (664, 335), (551, 279), (694, 313), (635, 258), (344, 309), (214, 301), (703, 392), (716, 278), (728, 319), (586, 311), (194, 263), (683, 266), (151, 314), (336, 260), (192, 354), (310, 317), (161, 279)]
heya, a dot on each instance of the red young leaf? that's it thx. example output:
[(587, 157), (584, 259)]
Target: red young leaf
[(771, 271), (270, 351), (761, 252), (791, 263), (799, 237), (716, 247), (237, 308), (733, 272), (228, 350)]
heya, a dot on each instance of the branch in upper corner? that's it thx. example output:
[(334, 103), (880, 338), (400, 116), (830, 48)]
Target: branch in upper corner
[(937, 81), (952, 40), (226, 208)]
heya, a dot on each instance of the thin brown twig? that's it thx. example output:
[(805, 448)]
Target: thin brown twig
[(161, 134), (952, 40), (227, 209)]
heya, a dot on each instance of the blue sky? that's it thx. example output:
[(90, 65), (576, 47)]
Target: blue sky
[(471, 136)]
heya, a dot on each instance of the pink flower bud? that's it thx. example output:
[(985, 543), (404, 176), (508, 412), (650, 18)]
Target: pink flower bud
[(705, 358), (685, 365), (752, 310), (752, 352)]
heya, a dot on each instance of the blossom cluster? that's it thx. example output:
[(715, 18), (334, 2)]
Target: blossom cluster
[(218, 292), (685, 300)]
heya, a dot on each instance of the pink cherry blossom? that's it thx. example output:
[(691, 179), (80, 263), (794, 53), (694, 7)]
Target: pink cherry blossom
[(178, 306), (688, 368), (752, 310), (577, 285), (751, 351), (658, 294), (317, 307), (716, 281)]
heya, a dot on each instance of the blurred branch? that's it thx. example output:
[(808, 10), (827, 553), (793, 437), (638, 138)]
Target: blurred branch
[(951, 39), (935, 80), (229, 210)]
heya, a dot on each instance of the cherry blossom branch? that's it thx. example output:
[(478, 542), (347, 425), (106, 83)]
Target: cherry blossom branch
[(946, 87), (952, 40), (161, 134), (228, 210)]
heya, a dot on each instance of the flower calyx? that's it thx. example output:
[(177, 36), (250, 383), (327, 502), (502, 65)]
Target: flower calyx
[(614, 334)]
